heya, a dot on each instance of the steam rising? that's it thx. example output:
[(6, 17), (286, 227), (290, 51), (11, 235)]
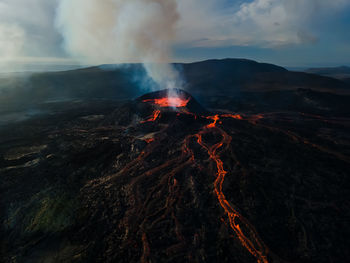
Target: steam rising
[(119, 31)]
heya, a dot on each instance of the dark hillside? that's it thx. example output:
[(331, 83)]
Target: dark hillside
[(227, 77)]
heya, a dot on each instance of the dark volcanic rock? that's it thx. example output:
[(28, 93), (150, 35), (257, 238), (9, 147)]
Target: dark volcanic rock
[(330, 71), (114, 184)]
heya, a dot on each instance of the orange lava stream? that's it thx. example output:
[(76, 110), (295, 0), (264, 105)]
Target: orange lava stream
[(149, 140), (234, 116), (252, 242), (146, 249), (215, 119), (245, 232), (169, 102), (155, 116)]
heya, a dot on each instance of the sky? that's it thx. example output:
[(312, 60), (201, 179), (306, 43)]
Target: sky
[(292, 33)]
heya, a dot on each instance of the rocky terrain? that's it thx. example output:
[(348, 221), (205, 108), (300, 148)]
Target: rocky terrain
[(227, 77), (259, 177)]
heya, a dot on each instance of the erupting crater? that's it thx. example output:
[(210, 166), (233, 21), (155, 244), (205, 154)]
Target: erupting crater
[(244, 231), (174, 99), (169, 102)]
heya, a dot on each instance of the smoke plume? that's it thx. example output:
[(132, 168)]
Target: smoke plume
[(119, 31)]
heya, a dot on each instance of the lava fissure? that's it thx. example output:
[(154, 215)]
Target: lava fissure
[(141, 217), (154, 117), (143, 208), (255, 246)]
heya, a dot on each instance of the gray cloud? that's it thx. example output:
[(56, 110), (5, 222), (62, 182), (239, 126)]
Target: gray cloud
[(119, 31), (28, 32), (264, 23)]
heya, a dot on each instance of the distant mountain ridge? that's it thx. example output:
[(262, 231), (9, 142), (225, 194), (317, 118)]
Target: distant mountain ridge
[(236, 75), (227, 77), (335, 70), (342, 72)]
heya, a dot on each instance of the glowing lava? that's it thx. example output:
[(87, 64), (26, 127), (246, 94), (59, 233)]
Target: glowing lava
[(239, 224), (169, 102), (149, 140), (244, 230), (155, 116)]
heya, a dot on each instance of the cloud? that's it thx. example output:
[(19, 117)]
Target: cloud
[(11, 40), (119, 31), (264, 23), (27, 30)]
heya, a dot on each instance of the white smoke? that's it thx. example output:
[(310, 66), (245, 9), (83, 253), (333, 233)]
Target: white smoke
[(120, 31), (112, 31), (11, 44)]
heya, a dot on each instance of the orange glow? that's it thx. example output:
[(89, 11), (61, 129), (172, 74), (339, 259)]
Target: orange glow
[(146, 249), (169, 102), (215, 119), (250, 240), (149, 140), (245, 232), (234, 116), (155, 116)]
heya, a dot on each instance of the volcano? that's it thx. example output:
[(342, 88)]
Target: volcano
[(168, 98), (163, 179), (173, 99)]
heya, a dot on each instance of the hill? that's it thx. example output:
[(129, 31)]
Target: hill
[(342, 72), (227, 77)]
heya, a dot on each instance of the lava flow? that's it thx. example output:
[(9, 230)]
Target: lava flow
[(245, 232), (170, 102), (175, 102), (251, 242), (154, 116)]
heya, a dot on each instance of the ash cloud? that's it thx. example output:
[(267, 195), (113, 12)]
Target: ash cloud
[(11, 42), (27, 33), (118, 31)]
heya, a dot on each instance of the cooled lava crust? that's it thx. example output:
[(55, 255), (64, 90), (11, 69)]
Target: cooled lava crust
[(152, 183)]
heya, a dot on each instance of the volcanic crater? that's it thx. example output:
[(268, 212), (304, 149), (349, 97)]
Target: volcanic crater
[(165, 180)]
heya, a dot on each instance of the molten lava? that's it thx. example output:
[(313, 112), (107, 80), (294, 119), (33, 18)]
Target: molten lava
[(149, 140), (154, 116), (250, 240), (165, 179), (169, 102), (244, 230)]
